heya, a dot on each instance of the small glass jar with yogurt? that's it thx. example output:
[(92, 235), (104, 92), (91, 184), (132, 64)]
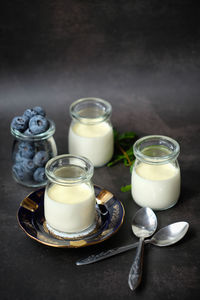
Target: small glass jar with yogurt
[(69, 200), (30, 154), (156, 176), (91, 132)]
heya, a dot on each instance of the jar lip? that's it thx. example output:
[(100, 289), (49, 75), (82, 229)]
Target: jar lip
[(41, 136), (175, 149), (50, 172), (103, 105)]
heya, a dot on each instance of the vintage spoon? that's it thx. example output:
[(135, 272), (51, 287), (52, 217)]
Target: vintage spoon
[(144, 224), (166, 236)]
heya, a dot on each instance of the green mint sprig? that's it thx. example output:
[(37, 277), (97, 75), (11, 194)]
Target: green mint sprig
[(123, 152), (125, 188)]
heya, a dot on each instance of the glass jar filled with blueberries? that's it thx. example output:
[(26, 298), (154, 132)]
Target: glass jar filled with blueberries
[(33, 146)]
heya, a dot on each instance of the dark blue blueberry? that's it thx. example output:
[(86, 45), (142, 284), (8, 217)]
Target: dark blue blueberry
[(28, 166), (27, 119), (28, 132), (38, 124), (40, 111), (18, 157), (40, 158), (18, 171), (20, 123), (29, 113), (39, 175), (26, 149)]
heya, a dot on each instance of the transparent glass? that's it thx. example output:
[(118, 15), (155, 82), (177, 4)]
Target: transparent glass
[(156, 174), (30, 154), (91, 132), (69, 202)]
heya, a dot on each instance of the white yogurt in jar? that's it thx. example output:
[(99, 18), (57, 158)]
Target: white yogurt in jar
[(94, 141), (156, 186), (69, 209)]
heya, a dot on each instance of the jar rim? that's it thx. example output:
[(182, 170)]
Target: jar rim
[(41, 136), (104, 107), (50, 169), (160, 141)]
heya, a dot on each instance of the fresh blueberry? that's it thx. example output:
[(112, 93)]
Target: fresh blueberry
[(28, 166), (18, 171), (38, 124), (28, 132), (40, 111), (20, 123), (39, 175), (18, 157), (29, 113), (40, 158), (26, 149)]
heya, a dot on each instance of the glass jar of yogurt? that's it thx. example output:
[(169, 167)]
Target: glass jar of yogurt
[(69, 200), (91, 132), (30, 154), (156, 173)]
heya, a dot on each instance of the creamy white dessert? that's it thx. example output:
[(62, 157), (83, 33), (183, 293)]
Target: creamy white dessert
[(156, 186), (69, 209), (94, 141)]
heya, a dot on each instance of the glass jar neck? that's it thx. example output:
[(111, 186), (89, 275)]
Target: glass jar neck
[(38, 137), (156, 149), (90, 111), (69, 169)]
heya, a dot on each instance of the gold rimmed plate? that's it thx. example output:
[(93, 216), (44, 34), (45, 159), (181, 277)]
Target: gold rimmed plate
[(109, 218)]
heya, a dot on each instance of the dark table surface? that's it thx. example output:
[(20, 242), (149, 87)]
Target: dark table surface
[(143, 57)]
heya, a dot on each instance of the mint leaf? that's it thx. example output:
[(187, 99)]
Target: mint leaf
[(131, 168), (126, 135), (126, 188)]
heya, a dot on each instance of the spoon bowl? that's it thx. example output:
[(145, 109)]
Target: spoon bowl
[(144, 223), (169, 235)]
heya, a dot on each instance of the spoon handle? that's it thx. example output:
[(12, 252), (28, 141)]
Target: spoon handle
[(105, 254), (135, 274)]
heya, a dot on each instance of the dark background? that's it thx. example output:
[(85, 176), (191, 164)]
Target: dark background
[(141, 56)]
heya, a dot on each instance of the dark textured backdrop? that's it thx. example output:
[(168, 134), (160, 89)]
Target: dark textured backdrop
[(143, 57)]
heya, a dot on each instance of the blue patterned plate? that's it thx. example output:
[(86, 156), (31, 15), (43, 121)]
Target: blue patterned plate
[(109, 218)]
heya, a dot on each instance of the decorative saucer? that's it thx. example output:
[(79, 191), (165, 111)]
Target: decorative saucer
[(109, 218)]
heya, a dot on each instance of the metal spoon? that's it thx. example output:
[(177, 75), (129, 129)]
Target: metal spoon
[(144, 225), (166, 236)]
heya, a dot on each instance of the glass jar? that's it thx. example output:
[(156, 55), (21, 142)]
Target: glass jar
[(69, 201), (91, 132), (30, 154), (156, 173)]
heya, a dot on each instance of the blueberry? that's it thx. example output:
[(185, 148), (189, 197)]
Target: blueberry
[(29, 113), (28, 132), (18, 157), (20, 123), (39, 175), (18, 171), (28, 166), (40, 111), (38, 124), (40, 158), (26, 149)]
